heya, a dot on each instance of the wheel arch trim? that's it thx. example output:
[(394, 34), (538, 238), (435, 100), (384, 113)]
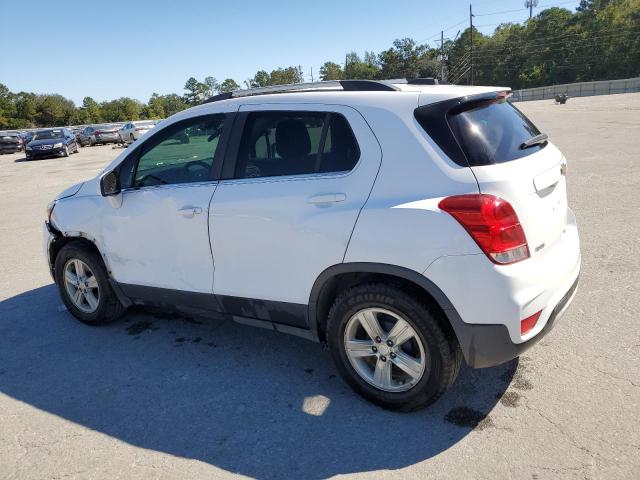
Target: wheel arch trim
[(380, 268)]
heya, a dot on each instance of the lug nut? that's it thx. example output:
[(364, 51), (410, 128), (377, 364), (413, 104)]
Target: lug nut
[(390, 343), (383, 358), (392, 355), (378, 339), (374, 348)]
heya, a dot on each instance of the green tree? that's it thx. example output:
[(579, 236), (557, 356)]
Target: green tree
[(92, 108), (284, 76), (120, 110), (406, 59), (53, 110), (357, 69), (212, 86), (196, 91), (331, 71), (260, 79), (228, 85)]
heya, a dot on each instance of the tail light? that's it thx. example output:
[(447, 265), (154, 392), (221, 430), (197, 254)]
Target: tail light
[(492, 223)]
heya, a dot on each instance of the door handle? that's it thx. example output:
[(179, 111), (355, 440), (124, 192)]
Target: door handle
[(327, 199), (190, 212)]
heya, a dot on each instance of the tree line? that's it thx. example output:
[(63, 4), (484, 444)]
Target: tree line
[(600, 40)]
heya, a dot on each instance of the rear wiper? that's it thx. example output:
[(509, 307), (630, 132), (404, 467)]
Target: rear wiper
[(537, 140)]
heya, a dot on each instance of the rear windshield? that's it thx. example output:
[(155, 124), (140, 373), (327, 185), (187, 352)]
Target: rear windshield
[(493, 133)]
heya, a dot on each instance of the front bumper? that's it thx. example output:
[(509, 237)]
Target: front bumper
[(52, 152), (48, 238), (489, 300), (10, 148)]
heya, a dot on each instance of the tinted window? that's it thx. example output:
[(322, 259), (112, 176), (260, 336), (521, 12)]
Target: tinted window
[(493, 133), (181, 153), (294, 143)]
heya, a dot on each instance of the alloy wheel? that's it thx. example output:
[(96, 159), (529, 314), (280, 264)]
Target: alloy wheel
[(385, 350), (81, 285)]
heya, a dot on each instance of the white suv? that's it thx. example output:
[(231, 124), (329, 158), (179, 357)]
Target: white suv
[(407, 226)]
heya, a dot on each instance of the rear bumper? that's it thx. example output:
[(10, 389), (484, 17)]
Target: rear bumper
[(490, 345), (490, 300), (107, 139)]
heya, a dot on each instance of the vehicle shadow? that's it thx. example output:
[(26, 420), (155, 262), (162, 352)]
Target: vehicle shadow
[(250, 401)]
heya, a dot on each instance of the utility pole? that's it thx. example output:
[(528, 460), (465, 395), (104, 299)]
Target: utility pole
[(442, 55), (530, 4), (471, 40), (311, 74)]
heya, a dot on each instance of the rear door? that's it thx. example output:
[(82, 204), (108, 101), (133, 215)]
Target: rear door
[(294, 181), (531, 178)]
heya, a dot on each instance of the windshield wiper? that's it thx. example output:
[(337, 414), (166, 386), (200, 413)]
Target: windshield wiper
[(537, 140)]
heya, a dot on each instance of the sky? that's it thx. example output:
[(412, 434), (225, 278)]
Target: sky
[(110, 49)]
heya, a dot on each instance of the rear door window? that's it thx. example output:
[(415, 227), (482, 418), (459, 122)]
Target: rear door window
[(493, 133), (277, 143)]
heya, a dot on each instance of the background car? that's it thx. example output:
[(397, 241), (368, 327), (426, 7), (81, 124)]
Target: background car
[(60, 142), (10, 142), (131, 131), (96, 134)]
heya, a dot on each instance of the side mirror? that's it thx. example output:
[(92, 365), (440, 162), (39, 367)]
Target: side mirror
[(110, 184)]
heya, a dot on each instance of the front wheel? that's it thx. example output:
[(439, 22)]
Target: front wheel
[(84, 285), (390, 347)]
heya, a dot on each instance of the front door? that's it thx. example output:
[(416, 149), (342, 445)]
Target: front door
[(301, 174), (158, 236)]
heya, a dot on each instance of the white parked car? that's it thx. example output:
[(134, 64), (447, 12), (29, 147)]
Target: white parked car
[(407, 226), (132, 131)]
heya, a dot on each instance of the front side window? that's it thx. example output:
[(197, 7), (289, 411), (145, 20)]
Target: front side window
[(295, 143), (181, 153)]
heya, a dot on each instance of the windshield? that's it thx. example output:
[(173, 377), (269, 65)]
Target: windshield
[(49, 134), (494, 133)]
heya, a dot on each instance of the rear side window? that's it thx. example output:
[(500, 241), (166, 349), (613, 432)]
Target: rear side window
[(493, 133), (278, 143)]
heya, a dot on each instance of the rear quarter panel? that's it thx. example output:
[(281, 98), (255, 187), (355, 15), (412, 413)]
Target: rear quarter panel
[(401, 223)]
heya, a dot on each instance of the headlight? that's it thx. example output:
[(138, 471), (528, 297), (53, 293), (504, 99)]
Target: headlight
[(57, 145), (50, 210)]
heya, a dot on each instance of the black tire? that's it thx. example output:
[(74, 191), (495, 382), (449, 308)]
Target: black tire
[(442, 351), (109, 307)]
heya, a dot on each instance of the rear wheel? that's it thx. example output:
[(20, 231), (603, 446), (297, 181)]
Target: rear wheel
[(390, 348), (84, 285)]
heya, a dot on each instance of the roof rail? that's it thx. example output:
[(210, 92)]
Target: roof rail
[(329, 85), (426, 81)]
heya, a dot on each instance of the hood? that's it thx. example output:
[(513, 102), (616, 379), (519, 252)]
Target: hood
[(71, 191), (46, 141)]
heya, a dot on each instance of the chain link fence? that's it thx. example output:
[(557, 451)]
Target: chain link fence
[(583, 89)]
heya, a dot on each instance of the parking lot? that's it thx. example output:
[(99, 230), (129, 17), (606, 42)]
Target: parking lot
[(161, 396)]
